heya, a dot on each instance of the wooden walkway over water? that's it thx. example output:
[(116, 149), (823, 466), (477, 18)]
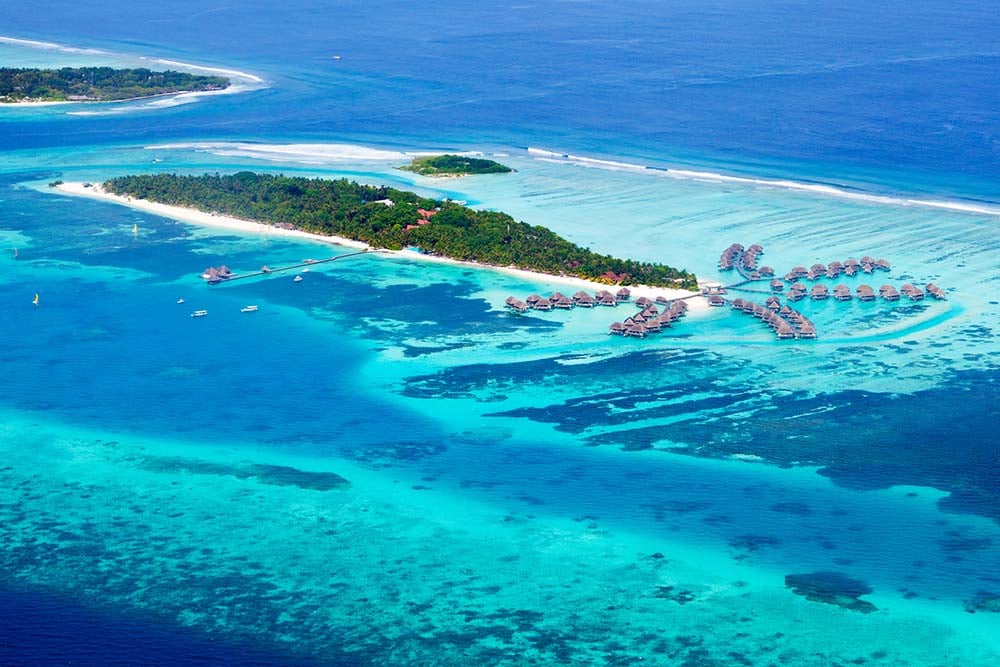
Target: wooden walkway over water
[(268, 271)]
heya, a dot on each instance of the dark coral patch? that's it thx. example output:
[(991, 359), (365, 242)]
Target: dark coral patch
[(832, 588)]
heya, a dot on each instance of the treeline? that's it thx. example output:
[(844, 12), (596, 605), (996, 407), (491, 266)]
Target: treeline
[(363, 213), (98, 84), (455, 165)]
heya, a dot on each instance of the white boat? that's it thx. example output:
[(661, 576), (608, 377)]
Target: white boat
[(306, 270), (180, 300), (298, 279), (248, 309), (199, 313)]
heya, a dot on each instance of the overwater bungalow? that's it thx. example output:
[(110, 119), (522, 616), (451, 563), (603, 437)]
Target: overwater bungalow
[(716, 301), (607, 300), (798, 272), (818, 268), (738, 247), (519, 306), (935, 291), (737, 303), (748, 307), (865, 293), (842, 293), (624, 294), (533, 299), (639, 318), (868, 259), (796, 295), (543, 304), (643, 301), (584, 301), (662, 300), (772, 299), (785, 310), (511, 300), (882, 264), (562, 302), (616, 328), (807, 331), (867, 268), (556, 296), (654, 324), (774, 306), (579, 294), (851, 271), (819, 292), (912, 291), (637, 330), (799, 287), (777, 285), (757, 248), (888, 292), (650, 310), (784, 331)]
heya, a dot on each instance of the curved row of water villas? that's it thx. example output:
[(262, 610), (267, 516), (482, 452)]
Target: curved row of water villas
[(558, 300), (649, 320), (786, 322), (849, 267)]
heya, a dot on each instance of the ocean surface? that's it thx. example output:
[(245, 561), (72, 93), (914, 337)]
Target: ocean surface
[(381, 466)]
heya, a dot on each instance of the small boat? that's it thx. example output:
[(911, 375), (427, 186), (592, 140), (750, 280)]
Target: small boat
[(248, 309), (135, 229), (35, 300), (180, 300), (305, 270), (199, 313), (297, 279)]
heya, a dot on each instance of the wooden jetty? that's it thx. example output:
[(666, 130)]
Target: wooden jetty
[(222, 274)]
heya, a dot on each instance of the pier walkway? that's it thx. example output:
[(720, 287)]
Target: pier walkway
[(268, 271)]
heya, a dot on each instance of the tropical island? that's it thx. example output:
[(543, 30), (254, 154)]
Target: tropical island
[(384, 217), (454, 165), (98, 84)]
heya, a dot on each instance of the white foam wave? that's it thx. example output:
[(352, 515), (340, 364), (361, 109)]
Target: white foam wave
[(202, 68), (544, 155), (49, 46), (307, 153)]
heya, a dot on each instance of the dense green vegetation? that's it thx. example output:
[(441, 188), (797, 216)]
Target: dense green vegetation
[(98, 84), (388, 218), (455, 165)]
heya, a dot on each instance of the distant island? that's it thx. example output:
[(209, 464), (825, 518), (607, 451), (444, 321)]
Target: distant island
[(454, 165), (98, 84), (385, 217)]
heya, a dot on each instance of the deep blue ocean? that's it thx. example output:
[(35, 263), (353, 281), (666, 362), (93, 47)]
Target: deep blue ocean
[(383, 467)]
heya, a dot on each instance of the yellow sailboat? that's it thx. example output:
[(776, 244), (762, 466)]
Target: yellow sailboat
[(35, 300)]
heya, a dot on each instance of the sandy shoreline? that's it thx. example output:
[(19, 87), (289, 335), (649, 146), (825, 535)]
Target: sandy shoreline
[(236, 224)]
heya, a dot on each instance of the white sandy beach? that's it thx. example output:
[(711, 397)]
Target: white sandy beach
[(196, 217)]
